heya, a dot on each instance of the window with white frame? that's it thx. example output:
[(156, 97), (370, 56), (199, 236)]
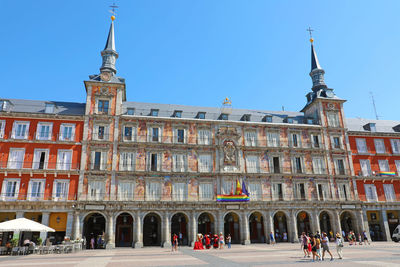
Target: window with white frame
[(180, 136), (67, 132), (254, 189), (318, 165), (336, 142), (316, 140), (44, 131), (295, 140), (40, 159), (36, 189), (252, 163), (344, 191), (127, 161), (16, 158), (153, 161), (323, 191), (10, 188), (64, 160), (250, 138), (361, 145), (129, 133), (153, 191), (179, 162), (206, 191), (278, 191), (126, 190), (101, 132), (389, 192), (2, 127), (384, 165), (154, 134), (300, 191), (179, 191), (370, 192), (60, 189), (395, 146), (204, 137), (102, 106), (365, 167), (333, 119), (49, 108), (99, 160), (340, 166), (20, 130), (205, 163), (297, 163), (96, 190), (273, 139), (397, 163), (379, 146), (228, 187)]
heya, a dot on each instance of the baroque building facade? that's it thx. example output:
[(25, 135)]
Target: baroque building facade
[(144, 171)]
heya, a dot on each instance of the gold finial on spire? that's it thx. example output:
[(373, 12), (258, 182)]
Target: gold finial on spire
[(227, 101), (113, 7), (310, 31)]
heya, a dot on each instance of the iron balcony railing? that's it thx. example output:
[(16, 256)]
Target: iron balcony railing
[(40, 136), (17, 196), (41, 165)]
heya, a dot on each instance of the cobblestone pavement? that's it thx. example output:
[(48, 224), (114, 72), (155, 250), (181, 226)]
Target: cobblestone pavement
[(378, 254)]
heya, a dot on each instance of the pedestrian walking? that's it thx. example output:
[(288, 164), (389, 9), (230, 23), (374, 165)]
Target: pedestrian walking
[(339, 245), (313, 243), (228, 240), (365, 237), (318, 245), (325, 246), (180, 237), (175, 242), (92, 243), (304, 244), (271, 238), (221, 241), (284, 237)]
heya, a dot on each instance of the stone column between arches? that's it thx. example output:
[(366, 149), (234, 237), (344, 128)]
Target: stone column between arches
[(166, 230), (110, 230), (245, 229), (139, 231)]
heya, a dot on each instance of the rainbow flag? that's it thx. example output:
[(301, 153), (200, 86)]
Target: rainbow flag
[(233, 198), (387, 173)]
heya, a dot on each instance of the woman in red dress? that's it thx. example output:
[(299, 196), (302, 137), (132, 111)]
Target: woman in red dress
[(216, 241), (208, 242), (198, 245)]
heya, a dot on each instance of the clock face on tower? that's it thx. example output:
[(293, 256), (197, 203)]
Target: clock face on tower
[(105, 76)]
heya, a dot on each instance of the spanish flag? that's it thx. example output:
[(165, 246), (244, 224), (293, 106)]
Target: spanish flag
[(238, 188)]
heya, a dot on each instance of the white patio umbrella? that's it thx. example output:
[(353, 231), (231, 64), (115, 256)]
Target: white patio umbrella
[(24, 225)]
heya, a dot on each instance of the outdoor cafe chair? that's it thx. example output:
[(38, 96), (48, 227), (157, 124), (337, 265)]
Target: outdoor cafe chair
[(3, 250), (14, 251)]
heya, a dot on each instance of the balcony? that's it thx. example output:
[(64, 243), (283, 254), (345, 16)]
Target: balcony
[(100, 137), (378, 174), (30, 165), (13, 196)]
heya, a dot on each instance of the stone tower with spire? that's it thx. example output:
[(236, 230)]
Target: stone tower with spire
[(326, 109), (105, 93)]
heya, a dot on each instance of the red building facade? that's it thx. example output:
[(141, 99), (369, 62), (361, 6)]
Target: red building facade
[(40, 155), (375, 147)]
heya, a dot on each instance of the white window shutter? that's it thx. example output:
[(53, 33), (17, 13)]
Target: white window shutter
[(92, 159), (103, 161)]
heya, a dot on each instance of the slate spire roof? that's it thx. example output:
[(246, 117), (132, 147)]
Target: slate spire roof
[(314, 59), (109, 55)]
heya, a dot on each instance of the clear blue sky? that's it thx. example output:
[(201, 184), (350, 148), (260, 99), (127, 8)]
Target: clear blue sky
[(196, 52)]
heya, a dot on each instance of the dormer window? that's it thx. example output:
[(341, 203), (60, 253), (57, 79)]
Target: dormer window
[(245, 117), (154, 112), (267, 118), (310, 121), (4, 105), (289, 120), (370, 127), (396, 128), (178, 113), (223, 117), (201, 115), (130, 111), (49, 108)]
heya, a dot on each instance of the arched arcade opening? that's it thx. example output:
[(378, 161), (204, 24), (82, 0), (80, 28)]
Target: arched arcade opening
[(94, 226)]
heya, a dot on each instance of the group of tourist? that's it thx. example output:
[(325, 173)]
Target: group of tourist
[(215, 241), (354, 238), (315, 244)]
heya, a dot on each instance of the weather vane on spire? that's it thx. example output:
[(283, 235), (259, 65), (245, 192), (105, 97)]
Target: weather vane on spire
[(310, 31), (113, 7)]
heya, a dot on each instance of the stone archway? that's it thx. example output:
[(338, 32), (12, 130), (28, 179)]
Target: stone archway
[(256, 226), (280, 227), (325, 223), (347, 222), (124, 230), (152, 230), (303, 222), (205, 224), (232, 227), (94, 226), (179, 226)]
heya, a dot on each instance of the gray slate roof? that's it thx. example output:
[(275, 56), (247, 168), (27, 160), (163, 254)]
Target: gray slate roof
[(382, 126), (38, 106), (212, 113)]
